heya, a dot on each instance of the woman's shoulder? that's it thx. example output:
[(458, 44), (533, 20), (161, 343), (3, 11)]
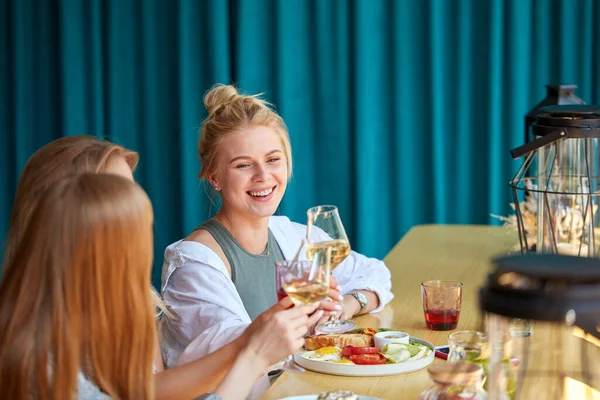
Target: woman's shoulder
[(195, 248), (205, 238), (190, 257)]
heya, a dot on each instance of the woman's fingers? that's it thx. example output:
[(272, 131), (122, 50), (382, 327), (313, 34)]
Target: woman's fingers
[(297, 316), (346, 314), (300, 331), (330, 307), (335, 295), (335, 290), (285, 303), (333, 283)]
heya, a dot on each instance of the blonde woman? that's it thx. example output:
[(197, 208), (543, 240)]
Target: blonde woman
[(66, 156), (220, 277)]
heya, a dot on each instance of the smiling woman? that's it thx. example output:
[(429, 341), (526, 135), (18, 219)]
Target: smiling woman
[(251, 184), (222, 275)]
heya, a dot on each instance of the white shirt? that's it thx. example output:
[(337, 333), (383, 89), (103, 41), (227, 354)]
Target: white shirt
[(87, 390), (198, 289)]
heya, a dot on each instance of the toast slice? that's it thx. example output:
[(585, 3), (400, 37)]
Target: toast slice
[(339, 340)]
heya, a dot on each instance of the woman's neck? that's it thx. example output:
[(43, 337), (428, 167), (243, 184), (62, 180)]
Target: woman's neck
[(252, 233)]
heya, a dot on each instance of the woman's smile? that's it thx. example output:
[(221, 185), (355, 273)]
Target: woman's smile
[(262, 195)]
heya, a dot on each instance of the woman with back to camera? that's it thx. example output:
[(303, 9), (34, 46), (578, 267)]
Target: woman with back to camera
[(66, 156), (75, 295), (221, 276)]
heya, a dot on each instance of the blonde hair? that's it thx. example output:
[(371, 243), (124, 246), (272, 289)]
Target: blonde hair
[(56, 160), (76, 294), (229, 111)]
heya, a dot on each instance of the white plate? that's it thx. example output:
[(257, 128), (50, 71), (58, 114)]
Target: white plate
[(314, 397), (367, 370)]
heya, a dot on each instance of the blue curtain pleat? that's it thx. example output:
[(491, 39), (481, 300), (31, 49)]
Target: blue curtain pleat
[(372, 121), (400, 112), (595, 82), (516, 96), (440, 95), (334, 74), (412, 175), (76, 66), (464, 205), (201, 63), (495, 109), (96, 64), (255, 49), (544, 39), (586, 64), (295, 81), (7, 160), (159, 109)]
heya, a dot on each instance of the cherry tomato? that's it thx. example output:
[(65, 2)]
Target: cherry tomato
[(368, 359)]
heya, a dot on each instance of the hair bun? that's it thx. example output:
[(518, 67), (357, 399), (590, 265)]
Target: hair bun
[(219, 95)]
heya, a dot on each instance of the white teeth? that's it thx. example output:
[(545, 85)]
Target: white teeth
[(262, 193)]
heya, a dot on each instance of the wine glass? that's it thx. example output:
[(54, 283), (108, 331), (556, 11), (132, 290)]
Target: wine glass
[(305, 282), (325, 232)]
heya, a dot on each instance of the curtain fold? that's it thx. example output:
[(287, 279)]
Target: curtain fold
[(400, 112)]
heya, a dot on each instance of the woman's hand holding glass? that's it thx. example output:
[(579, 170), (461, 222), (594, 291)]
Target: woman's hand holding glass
[(332, 238), (280, 331), (350, 308), (304, 282), (332, 306)]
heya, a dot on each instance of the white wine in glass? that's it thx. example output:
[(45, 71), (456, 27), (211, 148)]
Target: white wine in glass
[(325, 232), (307, 282), (306, 293), (340, 249)]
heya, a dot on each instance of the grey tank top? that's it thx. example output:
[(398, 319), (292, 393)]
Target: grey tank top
[(252, 274)]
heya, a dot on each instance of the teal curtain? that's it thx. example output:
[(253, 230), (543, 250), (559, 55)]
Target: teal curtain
[(400, 112)]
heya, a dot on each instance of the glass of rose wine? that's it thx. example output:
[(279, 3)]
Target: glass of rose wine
[(441, 304), (305, 282), (325, 232)]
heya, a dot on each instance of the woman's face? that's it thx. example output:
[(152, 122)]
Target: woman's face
[(251, 171)]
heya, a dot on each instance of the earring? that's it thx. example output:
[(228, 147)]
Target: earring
[(218, 189)]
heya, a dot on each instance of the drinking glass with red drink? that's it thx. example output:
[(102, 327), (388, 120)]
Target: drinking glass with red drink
[(441, 304), (280, 268)]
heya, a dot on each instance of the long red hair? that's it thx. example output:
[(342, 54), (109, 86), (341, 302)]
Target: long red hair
[(76, 294)]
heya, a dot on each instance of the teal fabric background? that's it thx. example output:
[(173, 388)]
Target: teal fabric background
[(400, 112)]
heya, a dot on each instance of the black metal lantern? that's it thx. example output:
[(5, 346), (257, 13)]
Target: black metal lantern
[(561, 94), (558, 357), (556, 191)]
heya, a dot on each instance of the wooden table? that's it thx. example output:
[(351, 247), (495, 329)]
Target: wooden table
[(462, 253), (426, 252)]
